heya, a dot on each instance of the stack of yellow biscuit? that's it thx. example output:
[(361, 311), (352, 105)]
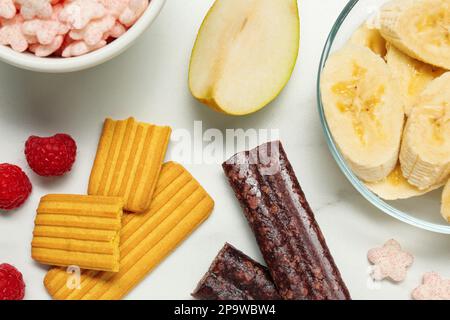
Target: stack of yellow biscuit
[(163, 204), (78, 230)]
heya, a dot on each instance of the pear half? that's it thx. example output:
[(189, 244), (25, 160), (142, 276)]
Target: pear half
[(244, 54)]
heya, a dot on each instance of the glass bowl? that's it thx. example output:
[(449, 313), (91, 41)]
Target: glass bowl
[(422, 212)]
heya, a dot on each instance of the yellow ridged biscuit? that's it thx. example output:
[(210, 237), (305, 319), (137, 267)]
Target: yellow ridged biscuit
[(128, 162), (78, 230), (179, 206)]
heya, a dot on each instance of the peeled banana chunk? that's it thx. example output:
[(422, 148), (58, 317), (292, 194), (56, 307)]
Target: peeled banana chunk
[(412, 76), (371, 38), (419, 28), (363, 111), (425, 151), (396, 187)]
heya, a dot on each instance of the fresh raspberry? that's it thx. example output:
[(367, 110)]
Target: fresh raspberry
[(12, 286), (15, 187), (52, 156)]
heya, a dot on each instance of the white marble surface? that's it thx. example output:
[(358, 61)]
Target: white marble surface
[(149, 81)]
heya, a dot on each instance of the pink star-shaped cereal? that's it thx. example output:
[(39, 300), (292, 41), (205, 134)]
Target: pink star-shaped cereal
[(42, 50), (7, 9), (31, 9), (390, 261), (95, 31), (132, 12), (433, 288), (66, 41), (116, 31), (78, 48), (46, 30), (79, 13), (11, 34), (115, 7)]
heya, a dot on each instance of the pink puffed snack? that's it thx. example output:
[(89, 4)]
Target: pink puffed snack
[(46, 30), (78, 48), (132, 12), (30, 9), (94, 32), (115, 7), (79, 13), (116, 31), (65, 28), (433, 288), (390, 261), (7, 9), (42, 50), (11, 34)]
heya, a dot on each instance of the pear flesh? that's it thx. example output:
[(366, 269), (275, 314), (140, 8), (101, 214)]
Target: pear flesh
[(244, 54)]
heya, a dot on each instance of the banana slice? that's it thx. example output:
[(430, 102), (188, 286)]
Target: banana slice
[(396, 187), (419, 28), (370, 38), (425, 151), (412, 75), (445, 208), (363, 111)]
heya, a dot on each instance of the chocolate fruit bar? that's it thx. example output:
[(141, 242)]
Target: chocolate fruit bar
[(235, 276), (179, 206), (287, 233), (128, 161)]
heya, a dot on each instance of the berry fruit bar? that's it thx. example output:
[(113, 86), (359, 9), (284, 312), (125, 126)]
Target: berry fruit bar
[(235, 276), (284, 225)]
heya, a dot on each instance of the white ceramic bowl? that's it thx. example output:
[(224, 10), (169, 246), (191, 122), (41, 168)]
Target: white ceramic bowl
[(29, 61)]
